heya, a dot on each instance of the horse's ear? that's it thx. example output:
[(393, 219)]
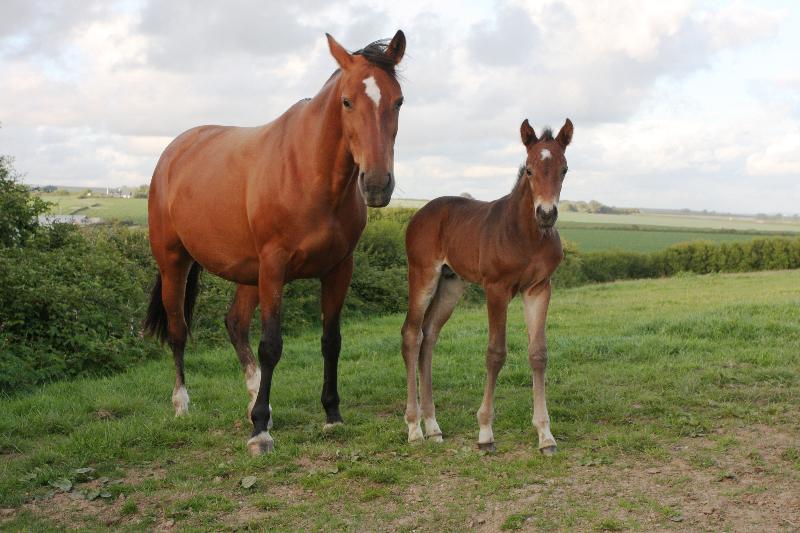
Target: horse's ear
[(526, 133), (338, 52), (564, 136), (397, 47)]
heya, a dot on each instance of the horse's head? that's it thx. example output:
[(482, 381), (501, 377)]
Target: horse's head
[(545, 169), (370, 98)]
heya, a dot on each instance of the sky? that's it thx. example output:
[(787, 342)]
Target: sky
[(679, 104)]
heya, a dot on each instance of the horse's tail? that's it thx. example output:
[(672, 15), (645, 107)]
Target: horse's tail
[(155, 322)]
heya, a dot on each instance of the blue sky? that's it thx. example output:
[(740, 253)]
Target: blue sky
[(675, 104)]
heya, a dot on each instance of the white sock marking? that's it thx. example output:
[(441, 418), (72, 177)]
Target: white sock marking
[(372, 90), (180, 400), (545, 154)]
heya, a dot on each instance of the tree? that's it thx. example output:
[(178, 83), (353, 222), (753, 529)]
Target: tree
[(19, 209)]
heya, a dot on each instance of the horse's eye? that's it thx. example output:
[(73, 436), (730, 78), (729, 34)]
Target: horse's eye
[(564, 172), (398, 104), (528, 171), (347, 103)]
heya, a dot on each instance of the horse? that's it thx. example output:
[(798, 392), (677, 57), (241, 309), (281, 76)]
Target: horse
[(262, 206), (508, 246)]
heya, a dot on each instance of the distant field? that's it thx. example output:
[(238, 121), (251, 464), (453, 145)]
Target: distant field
[(123, 209), (682, 221), (643, 232), (591, 238)]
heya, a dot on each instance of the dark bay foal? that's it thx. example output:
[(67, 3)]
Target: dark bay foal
[(508, 246)]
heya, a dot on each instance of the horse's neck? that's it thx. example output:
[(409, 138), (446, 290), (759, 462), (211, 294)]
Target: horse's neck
[(327, 151)]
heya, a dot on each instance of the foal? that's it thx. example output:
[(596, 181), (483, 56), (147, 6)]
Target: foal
[(509, 246)]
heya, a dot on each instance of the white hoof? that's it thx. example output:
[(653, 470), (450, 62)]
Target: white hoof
[(432, 430), (180, 400), (329, 426), (415, 433), (260, 444)]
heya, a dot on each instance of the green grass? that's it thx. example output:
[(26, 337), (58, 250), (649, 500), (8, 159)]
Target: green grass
[(123, 209), (682, 221), (637, 371)]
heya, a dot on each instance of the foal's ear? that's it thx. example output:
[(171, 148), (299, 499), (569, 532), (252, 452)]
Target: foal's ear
[(564, 136), (526, 133), (338, 52), (397, 47)]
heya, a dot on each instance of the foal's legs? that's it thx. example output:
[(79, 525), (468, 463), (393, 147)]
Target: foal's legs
[(334, 290), (497, 299), (447, 295), (270, 293), (174, 271), (238, 323), (536, 301), (422, 282)]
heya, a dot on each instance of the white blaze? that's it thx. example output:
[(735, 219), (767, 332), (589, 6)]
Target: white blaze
[(372, 90), (545, 154)]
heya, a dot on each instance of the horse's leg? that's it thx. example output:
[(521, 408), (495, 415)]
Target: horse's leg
[(536, 301), (422, 283), (334, 290), (447, 295), (497, 299), (270, 293), (174, 275), (237, 321)]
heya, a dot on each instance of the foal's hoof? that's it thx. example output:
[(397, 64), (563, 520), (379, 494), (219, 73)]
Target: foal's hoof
[(436, 437), (548, 450), (260, 444), (487, 447), (330, 426)]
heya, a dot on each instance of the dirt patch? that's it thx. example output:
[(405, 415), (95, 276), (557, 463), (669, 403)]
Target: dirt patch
[(734, 480)]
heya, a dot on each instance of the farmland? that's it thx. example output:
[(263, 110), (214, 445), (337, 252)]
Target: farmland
[(640, 232), (674, 402)]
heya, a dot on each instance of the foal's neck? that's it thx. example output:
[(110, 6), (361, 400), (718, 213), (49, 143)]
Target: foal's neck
[(519, 215)]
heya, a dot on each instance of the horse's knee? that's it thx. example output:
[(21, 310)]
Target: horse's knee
[(331, 342), (271, 345), (537, 357)]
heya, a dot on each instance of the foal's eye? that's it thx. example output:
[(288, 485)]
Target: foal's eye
[(528, 171), (564, 172), (398, 104), (347, 103)]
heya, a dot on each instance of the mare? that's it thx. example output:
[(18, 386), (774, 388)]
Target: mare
[(262, 206), (509, 246)]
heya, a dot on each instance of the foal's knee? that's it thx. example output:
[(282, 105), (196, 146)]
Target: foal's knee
[(537, 357), (496, 357), (271, 345), (234, 326)]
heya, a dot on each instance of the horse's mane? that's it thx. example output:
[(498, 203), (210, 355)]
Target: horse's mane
[(375, 53)]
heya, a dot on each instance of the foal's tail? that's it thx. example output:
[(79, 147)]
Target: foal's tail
[(155, 323)]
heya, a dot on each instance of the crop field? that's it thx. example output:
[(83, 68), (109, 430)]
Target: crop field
[(674, 403)]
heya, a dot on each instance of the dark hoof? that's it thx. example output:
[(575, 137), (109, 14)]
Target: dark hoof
[(487, 447), (548, 450)]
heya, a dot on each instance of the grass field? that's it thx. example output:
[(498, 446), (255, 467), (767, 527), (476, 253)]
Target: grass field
[(597, 237), (682, 221), (674, 401), (123, 209)]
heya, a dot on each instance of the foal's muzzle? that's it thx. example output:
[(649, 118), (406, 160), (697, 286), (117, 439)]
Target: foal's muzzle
[(546, 218), (377, 188)]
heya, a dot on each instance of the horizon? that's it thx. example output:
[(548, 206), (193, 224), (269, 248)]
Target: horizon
[(692, 105)]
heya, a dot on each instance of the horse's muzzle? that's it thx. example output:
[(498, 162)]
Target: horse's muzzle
[(377, 190), (546, 218)]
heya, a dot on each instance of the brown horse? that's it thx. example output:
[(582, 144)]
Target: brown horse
[(509, 246), (265, 205)]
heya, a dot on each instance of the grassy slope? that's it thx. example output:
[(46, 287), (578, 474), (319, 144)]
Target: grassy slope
[(123, 209), (638, 370)]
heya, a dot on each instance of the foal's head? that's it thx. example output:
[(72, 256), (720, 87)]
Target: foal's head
[(370, 100), (545, 169)]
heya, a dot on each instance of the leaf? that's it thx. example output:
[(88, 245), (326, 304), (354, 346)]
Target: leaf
[(85, 470), (248, 481), (103, 480), (62, 484), (106, 494), (92, 494)]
